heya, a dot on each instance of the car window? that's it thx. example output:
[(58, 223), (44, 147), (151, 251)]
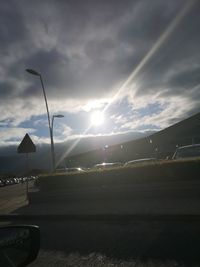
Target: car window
[(188, 152)]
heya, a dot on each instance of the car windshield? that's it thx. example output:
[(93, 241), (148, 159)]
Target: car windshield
[(97, 100)]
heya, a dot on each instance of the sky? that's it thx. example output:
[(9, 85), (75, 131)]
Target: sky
[(137, 62)]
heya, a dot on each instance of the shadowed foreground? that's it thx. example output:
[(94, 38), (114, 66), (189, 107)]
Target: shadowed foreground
[(141, 241)]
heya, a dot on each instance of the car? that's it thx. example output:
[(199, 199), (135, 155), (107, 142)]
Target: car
[(20, 179), (74, 169), (8, 181), (24, 179), (135, 161), (16, 180), (2, 183), (106, 165), (189, 151)]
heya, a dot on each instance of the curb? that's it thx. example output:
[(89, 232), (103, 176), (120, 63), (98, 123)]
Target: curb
[(103, 217)]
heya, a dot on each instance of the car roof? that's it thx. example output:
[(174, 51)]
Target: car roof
[(107, 163), (189, 146), (138, 160)]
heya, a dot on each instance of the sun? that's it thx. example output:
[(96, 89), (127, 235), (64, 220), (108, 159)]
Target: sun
[(97, 118)]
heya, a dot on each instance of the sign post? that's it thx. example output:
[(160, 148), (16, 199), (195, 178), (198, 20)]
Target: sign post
[(26, 146)]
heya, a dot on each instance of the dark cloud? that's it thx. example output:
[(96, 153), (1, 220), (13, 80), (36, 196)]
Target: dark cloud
[(75, 21), (12, 26), (147, 22), (7, 90), (175, 66), (186, 79)]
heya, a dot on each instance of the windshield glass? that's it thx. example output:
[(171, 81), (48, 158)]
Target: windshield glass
[(96, 96)]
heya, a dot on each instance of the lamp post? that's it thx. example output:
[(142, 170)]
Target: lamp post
[(33, 72), (53, 151)]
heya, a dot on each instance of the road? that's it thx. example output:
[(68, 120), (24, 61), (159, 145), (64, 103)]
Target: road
[(111, 242), (12, 197)]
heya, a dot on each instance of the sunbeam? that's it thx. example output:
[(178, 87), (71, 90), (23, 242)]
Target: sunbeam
[(163, 37), (172, 26)]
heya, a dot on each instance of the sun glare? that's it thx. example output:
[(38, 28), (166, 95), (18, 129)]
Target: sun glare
[(97, 118)]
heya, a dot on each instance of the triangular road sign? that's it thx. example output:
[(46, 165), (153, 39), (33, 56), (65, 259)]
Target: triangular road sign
[(26, 145)]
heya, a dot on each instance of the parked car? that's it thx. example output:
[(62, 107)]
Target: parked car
[(74, 169), (2, 183), (20, 179), (189, 151), (16, 180), (106, 165), (135, 161), (8, 181)]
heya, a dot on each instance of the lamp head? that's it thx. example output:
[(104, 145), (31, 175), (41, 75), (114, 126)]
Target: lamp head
[(58, 116), (31, 71)]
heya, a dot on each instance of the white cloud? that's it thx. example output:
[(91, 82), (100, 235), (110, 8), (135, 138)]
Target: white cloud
[(175, 109), (14, 135), (62, 133), (40, 140)]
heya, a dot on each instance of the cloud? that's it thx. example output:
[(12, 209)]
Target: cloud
[(174, 109), (62, 133), (14, 135), (85, 51)]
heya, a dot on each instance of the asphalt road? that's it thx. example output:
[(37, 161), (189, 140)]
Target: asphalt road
[(165, 197), (12, 197), (113, 243)]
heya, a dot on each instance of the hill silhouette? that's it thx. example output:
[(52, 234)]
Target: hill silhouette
[(12, 162), (161, 144)]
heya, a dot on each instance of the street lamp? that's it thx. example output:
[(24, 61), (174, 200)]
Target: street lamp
[(53, 151), (33, 72)]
